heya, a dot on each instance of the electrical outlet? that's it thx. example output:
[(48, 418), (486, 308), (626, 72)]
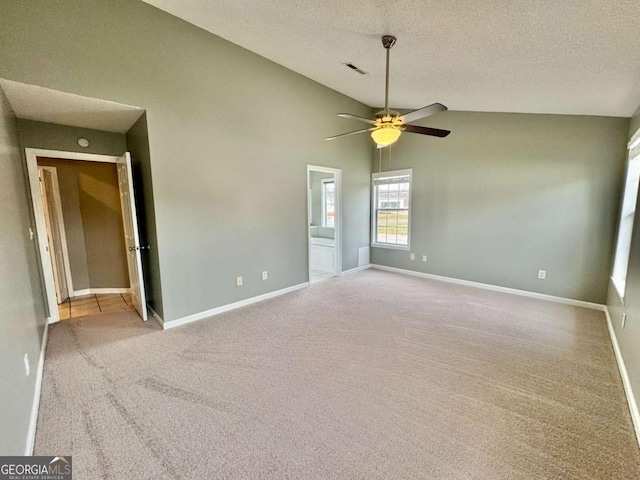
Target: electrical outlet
[(264, 275), (542, 274), (412, 256), (624, 319), (27, 365), (424, 258), (238, 281)]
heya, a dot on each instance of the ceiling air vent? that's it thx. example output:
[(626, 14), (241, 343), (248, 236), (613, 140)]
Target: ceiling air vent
[(353, 67)]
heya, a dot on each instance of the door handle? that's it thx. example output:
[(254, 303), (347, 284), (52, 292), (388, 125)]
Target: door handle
[(133, 249)]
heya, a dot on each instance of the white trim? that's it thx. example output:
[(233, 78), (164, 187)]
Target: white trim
[(87, 157), (100, 291), (337, 176), (57, 204), (31, 156), (57, 200), (155, 316), (619, 288), (231, 306), (357, 269), (495, 288), (628, 391), (31, 433)]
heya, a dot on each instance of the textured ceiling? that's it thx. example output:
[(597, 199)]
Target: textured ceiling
[(542, 56), (52, 106)]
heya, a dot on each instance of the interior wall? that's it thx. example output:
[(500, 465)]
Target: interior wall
[(22, 311), (506, 195), (315, 182), (230, 136), (90, 199), (138, 145), (629, 336), (50, 136)]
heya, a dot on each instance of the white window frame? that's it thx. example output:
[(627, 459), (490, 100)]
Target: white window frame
[(374, 204), (323, 200), (620, 269)]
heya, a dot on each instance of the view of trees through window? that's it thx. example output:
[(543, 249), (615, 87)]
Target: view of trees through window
[(392, 210)]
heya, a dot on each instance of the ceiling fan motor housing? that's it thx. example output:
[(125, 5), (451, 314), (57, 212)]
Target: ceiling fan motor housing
[(388, 41)]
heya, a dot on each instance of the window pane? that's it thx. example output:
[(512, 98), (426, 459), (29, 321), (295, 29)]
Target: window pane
[(392, 199), (328, 198), (623, 247)]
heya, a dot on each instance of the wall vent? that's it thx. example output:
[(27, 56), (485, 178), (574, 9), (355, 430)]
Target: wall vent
[(353, 67)]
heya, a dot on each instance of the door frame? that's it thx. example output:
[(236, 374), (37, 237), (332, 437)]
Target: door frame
[(31, 155), (57, 205), (337, 175)]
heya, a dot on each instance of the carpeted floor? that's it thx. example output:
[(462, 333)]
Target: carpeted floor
[(373, 375)]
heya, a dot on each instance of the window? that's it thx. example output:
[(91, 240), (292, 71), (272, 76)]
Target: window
[(328, 203), (627, 215), (390, 209)]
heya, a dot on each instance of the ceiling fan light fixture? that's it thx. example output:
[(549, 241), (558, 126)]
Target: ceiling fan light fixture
[(386, 135)]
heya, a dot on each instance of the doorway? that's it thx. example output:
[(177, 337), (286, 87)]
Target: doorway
[(324, 222), (89, 244)]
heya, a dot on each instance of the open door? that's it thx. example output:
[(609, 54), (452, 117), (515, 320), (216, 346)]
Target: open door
[(55, 235), (131, 237)]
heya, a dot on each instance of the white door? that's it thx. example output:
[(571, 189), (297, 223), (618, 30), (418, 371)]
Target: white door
[(131, 238), (48, 186)]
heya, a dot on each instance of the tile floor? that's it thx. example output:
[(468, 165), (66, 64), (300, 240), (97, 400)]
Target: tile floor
[(94, 304), (318, 275)]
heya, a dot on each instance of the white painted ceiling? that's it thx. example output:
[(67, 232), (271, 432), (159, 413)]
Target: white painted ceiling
[(539, 56), (52, 106)]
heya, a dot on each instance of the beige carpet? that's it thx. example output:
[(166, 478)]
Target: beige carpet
[(374, 375)]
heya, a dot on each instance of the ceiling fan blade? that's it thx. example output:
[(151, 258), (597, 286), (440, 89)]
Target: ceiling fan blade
[(355, 117), (423, 112), (350, 133), (434, 132)]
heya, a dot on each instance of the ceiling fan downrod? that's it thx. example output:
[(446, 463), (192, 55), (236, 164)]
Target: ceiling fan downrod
[(388, 41)]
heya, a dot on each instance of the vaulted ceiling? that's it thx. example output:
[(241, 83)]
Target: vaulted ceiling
[(540, 56)]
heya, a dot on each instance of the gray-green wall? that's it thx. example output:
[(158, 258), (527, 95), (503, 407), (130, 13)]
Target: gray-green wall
[(22, 313), (230, 136), (50, 136), (508, 194), (629, 336)]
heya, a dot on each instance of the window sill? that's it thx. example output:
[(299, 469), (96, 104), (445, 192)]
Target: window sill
[(390, 247), (619, 286)]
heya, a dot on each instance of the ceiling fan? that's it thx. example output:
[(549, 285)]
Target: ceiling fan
[(387, 125)]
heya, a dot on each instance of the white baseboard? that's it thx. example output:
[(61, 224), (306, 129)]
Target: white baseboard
[(495, 288), (155, 316), (628, 391), (357, 269), (232, 306), (31, 433), (100, 291)]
